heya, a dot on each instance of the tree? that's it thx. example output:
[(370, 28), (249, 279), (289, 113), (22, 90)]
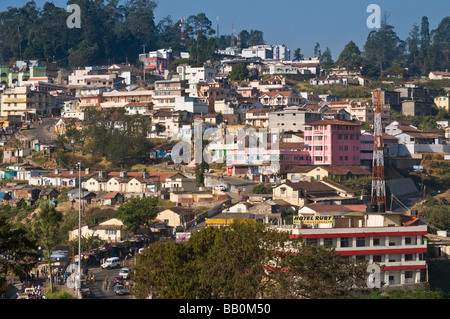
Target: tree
[(326, 61), (256, 37), (318, 272), (115, 135), (413, 55), (199, 24), (17, 249), (384, 47), (139, 212), (239, 72), (202, 49), (298, 54), (45, 226), (244, 36), (317, 51), (350, 57), (245, 260), (440, 50)]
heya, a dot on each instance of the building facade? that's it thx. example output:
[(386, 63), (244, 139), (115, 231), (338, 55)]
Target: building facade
[(394, 243), (333, 142)]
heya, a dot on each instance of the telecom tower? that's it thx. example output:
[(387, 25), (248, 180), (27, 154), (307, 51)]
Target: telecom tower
[(182, 28), (232, 35), (378, 196)]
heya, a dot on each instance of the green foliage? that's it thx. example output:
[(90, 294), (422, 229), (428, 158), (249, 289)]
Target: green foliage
[(45, 226), (87, 243), (19, 247), (239, 72), (231, 263), (138, 212), (383, 47), (118, 137), (438, 213), (361, 185), (298, 54), (263, 188), (350, 57), (55, 293)]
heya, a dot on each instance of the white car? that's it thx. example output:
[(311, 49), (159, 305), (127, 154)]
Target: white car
[(220, 187), (124, 272)]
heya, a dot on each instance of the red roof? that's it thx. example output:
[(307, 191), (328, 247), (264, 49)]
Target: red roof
[(110, 195), (337, 208)]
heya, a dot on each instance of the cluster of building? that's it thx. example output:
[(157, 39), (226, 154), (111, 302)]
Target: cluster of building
[(261, 130)]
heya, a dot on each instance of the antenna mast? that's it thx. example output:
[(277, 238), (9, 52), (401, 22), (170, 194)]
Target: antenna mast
[(182, 28), (378, 196)]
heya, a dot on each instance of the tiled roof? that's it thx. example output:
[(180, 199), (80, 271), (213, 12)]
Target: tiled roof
[(332, 122), (264, 110), (291, 146), (69, 174), (310, 186), (337, 208)]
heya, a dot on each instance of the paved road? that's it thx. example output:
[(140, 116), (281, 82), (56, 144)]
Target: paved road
[(44, 132), (103, 287)]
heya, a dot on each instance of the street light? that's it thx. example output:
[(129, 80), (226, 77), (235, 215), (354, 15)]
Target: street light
[(79, 225)]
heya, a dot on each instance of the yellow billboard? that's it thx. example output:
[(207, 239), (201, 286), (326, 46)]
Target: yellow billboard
[(226, 221), (16, 100), (313, 219)]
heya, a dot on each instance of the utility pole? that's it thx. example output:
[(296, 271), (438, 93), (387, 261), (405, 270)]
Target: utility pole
[(143, 47), (79, 225)]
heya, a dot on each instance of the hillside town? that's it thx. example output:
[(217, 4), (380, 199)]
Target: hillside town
[(214, 148)]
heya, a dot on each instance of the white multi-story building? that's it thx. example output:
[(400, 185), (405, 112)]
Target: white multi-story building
[(281, 52), (394, 242), (264, 52)]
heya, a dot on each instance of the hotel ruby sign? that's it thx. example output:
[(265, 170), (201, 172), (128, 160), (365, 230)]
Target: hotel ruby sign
[(313, 219)]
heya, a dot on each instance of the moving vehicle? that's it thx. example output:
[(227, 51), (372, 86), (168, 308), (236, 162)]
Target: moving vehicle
[(118, 280), (220, 187), (113, 262), (119, 290), (124, 272)]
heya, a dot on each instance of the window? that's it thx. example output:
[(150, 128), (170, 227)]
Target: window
[(345, 242), (360, 242), (409, 257), (328, 242), (311, 241), (361, 258), (377, 258)]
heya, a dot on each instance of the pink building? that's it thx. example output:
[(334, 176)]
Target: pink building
[(333, 142)]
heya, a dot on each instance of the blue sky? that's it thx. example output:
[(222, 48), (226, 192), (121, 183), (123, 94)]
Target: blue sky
[(297, 23)]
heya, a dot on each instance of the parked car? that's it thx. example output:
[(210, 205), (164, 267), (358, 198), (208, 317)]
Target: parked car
[(119, 290), (124, 272), (244, 198), (220, 187)]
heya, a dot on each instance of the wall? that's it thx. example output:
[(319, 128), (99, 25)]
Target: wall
[(402, 186)]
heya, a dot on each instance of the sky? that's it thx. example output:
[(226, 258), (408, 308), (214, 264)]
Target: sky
[(297, 23)]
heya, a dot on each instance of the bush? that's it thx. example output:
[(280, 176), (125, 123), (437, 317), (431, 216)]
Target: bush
[(263, 188), (57, 294)]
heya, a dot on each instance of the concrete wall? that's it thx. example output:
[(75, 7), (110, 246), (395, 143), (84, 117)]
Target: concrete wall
[(401, 187)]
